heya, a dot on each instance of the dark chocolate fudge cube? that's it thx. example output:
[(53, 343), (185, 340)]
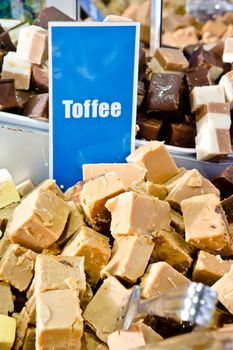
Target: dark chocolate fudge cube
[(224, 182)]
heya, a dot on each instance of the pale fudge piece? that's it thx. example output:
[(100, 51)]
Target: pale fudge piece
[(181, 37), (6, 300), (201, 95), (103, 313), (17, 266), (33, 44), (114, 18), (86, 297), (91, 342), (156, 159), (209, 268), (149, 188), (94, 247), (51, 186), (30, 339), (171, 183), (52, 250), (224, 288), (213, 116), (227, 82), (25, 187), (171, 59), (8, 191), (159, 278), (205, 222), (126, 251), (191, 184), (228, 51), (137, 335), (59, 320), (7, 332), (59, 272), (172, 248), (17, 69), (136, 214), (94, 195), (128, 173), (39, 220), (214, 28), (211, 143)]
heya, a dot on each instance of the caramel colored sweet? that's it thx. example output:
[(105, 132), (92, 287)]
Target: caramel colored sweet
[(91, 342), (209, 268), (177, 222), (181, 37), (7, 332), (6, 301), (25, 187), (171, 59), (30, 339), (94, 247), (224, 288), (214, 28), (135, 214), (149, 188)]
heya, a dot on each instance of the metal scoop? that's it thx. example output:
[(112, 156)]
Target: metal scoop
[(194, 303)]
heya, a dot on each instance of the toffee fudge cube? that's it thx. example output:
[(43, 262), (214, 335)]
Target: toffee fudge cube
[(59, 320), (228, 51), (156, 159), (136, 214), (91, 342), (7, 332), (6, 299), (160, 277), (171, 59), (94, 247), (149, 188), (94, 195), (103, 313), (201, 95), (39, 220), (8, 191), (126, 251), (224, 288), (17, 69), (205, 223), (17, 266), (33, 44), (59, 272)]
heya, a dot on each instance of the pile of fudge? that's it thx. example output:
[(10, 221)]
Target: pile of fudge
[(68, 261)]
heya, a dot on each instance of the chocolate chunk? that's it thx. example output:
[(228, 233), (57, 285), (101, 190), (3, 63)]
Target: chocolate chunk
[(149, 128), (37, 106), (2, 54), (40, 78), (165, 93), (23, 97), (188, 50), (227, 205), (180, 135), (7, 94), (50, 14), (197, 76), (224, 182), (6, 43)]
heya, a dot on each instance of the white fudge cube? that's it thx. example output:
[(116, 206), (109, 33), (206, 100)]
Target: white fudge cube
[(202, 95), (228, 51), (227, 82)]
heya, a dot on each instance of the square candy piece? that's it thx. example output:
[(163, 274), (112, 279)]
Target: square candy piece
[(224, 288), (201, 95), (228, 51), (6, 300), (17, 69), (205, 223), (227, 82), (156, 159), (171, 59), (7, 94), (224, 182), (7, 332)]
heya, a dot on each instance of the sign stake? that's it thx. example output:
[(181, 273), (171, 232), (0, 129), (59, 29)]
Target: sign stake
[(155, 25)]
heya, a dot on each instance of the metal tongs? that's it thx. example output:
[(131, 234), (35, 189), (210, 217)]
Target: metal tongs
[(194, 303)]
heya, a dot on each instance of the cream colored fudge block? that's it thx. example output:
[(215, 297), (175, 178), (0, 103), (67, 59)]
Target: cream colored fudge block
[(130, 256), (94, 195), (156, 159), (170, 184), (209, 268), (59, 321), (135, 214), (160, 277), (33, 44), (90, 342), (17, 266), (201, 95), (172, 248), (94, 247), (128, 173), (39, 220), (17, 69), (137, 335), (30, 339), (51, 185), (224, 288), (227, 82), (228, 51), (8, 191), (59, 272), (25, 187), (205, 223), (103, 313), (6, 300), (191, 184), (114, 18), (7, 332), (149, 188)]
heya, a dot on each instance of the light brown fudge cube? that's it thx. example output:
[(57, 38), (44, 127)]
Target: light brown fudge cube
[(149, 188), (156, 159), (205, 223), (137, 335), (171, 183), (6, 300), (177, 222), (59, 320), (17, 266), (94, 247), (103, 314), (191, 184), (30, 339), (126, 251), (209, 268), (214, 28), (128, 173), (90, 342), (25, 187), (39, 220), (59, 272), (94, 195), (51, 185), (171, 59), (172, 248), (224, 288), (160, 277), (135, 214)]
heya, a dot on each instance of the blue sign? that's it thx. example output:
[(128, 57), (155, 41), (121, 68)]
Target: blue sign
[(93, 92), (91, 10)]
